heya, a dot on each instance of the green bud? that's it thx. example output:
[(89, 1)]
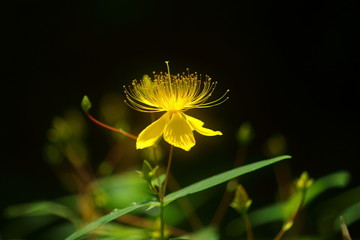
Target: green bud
[(85, 104), (245, 134), (304, 181), (276, 145), (241, 201), (157, 181), (147, 171)]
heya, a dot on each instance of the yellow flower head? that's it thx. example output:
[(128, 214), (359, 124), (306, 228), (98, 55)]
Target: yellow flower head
[(173, 94)]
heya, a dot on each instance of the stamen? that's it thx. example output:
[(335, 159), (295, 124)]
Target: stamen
[(168, 92)]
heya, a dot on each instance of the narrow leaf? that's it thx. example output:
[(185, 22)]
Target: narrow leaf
[(281, 211), (103, 220), (221, 178), (43, 208)]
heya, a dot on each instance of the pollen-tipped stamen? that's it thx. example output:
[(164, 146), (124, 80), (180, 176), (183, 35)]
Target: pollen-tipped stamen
[(171, 93)]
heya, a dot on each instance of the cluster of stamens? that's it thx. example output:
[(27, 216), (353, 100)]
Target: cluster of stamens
[(171, 93)]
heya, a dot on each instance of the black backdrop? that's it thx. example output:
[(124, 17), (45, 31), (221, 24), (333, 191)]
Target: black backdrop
[(291, 67)]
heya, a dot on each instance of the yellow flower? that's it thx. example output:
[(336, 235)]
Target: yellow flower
[(173, 94)]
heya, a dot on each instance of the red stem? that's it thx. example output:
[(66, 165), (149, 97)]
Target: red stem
[(110, 128)]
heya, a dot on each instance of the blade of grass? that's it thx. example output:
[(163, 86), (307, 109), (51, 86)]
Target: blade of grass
[(103, 220), (221, 178), (43, 208)]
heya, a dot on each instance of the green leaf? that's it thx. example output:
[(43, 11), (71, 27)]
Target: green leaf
[(85, 104), (337, 179), (281, 211), (103, 220), (109, 192), (197, 187), (221, 178), (345, 204), (351, 214), (43, 208), (119, 231), (203, 234)]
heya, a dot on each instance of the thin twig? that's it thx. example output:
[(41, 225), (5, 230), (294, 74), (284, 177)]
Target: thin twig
[(110, 128)]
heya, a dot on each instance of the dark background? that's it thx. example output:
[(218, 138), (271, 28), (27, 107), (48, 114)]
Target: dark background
[(291, 67)]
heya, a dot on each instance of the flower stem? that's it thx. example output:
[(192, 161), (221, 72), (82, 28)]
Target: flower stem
[(110, 128), (290, 221), (162, 223), (162, 193), (249, 233), (167, 170)]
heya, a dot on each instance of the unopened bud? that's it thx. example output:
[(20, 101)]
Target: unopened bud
[(241, 201), (85, 104), (304, 181)]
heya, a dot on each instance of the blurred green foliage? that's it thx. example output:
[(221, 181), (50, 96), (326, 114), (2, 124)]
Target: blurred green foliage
[(110, 198)]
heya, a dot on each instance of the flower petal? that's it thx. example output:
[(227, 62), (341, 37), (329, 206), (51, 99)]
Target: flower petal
[(197, 125), (150, 135), (178, 132)]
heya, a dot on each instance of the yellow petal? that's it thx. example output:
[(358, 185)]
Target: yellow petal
[(150, 135), (197, 125), (178, 132)]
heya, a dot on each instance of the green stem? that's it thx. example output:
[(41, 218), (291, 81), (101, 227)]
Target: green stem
[(249, 232), (290, 221), (162, 223), (167, 170), (162, 193)]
